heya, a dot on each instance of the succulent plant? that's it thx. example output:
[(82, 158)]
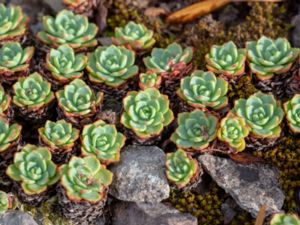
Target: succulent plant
[(268, 57), (164, 61), (9, 134), (137, 36), (111, 65), (102, 140), (226, 59), (59, 134), (13, 23), (85, 7), (13, 58), (146, 112), (149, 80), (195, 130), (204, 90), (68, 28), (78, 99), (4, 101), (233, 131), (64, 65), (34, 169), (32, 92), (292, 112), (284, 219), (262, 113), (181, 168), (4, 202), (85, 179)]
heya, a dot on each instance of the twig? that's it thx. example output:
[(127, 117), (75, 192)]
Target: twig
[(261, 215), (202, 8)]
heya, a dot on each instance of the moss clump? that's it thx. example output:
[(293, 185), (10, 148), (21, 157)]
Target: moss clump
[(263, 19), (242, 89), (286, 157), (206, 207)]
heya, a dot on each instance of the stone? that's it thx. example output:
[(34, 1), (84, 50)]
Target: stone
[(56, 5), (295, 34), (251, 186), (149, 214), (140, 175), (16, 218)]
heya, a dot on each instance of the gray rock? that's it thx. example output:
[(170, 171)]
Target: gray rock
[(295, 35), (250, 185), (56, 5), (149, 214), (16, 218), (140, 175)]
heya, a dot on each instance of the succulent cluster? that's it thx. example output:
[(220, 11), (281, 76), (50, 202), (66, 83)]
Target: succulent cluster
[(137, 36), (14, 60), (233, 131), (181, 168), (32, 92), (9, 134), (284, 219), (146, 113), (262, 113), (111, 65), (68, 28), (204, 90), (169, 61), (103, 141), (195, 130), (33, 169), (13, 23), (77, 99), (64, 65), (226, 59), (268, 57), (59, 135), (85, 179), (149, 80)]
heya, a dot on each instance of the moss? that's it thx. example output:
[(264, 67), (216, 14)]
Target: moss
[(242, 89), (286, 157), (207, 207)]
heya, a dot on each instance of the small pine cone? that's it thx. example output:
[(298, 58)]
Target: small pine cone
[(35, 117), (86, 8), (31, 200), (115, 93), (79, 212), (259, 144)]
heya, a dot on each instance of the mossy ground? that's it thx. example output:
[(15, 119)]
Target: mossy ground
[(262, 19)]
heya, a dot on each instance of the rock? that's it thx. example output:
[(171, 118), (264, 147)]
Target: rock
[(16, 218), (140, 175), (295, 35), (250, 185), (56, 5), (149, 214), (229, 14)]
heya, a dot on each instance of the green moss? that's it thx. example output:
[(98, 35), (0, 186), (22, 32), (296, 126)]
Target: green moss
[(207, 207), (286, 157), (242, 89)]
